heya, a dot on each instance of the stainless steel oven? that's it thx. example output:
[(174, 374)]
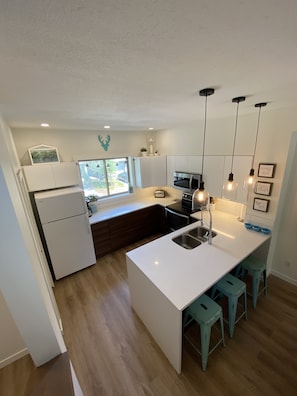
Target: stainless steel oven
[(178, 214)]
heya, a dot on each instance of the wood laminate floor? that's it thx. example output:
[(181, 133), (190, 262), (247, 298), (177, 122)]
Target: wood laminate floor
[(114, 355)]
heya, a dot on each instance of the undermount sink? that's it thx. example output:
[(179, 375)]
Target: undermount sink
[(186, 241), (193, 238), (201, 233)]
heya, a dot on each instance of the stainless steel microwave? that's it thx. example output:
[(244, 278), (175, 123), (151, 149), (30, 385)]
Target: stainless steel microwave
[(186, 181)]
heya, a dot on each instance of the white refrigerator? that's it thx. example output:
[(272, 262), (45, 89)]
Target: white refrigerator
[(65, 223)]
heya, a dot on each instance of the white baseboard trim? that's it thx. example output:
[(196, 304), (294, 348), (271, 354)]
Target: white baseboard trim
[(13, 358), (284, 277)]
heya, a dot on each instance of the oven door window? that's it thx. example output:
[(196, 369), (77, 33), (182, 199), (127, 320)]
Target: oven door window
[(176, 220)]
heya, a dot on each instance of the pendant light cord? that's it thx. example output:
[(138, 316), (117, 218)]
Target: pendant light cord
[(258, 123), (204, 133), (236, 121), (237, 100), (260, 105), (204, 92)]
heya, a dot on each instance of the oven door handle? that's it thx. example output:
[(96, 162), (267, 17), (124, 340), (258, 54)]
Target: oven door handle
[(176, 213), (176, 220)]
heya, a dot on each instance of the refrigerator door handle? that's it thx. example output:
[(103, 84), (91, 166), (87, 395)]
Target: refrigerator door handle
[(88, 223), (83, 200)]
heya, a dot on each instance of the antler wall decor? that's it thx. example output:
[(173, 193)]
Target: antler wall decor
[(104, 143)]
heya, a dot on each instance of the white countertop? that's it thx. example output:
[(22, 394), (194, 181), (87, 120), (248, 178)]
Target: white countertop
[(182, 275), (108, 212)]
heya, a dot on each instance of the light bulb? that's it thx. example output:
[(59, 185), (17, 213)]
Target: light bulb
[(201, 196), (230, 186), (249, 181), (230, 189)]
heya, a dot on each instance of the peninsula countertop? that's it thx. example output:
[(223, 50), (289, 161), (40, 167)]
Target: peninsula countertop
[(181, 274)]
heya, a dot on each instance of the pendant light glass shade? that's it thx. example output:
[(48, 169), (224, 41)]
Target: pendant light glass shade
[(250, 180), (200, 196), (230, 187)]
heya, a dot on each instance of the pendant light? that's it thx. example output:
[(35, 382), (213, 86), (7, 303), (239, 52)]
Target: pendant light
[(200, 196), (249, 182), (230, 187)]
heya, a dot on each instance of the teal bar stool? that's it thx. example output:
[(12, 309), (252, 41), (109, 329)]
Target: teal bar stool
[(206, 313), (256, 268), (233, 288)]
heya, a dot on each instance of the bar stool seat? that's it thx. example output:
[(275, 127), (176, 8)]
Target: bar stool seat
[(206, 313), (255, 267), (233, 288)]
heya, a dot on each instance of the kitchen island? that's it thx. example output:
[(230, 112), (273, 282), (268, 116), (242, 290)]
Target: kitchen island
[(164, 278)]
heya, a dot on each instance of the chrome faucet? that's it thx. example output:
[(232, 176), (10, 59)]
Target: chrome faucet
[(202, 207), (209, 236)]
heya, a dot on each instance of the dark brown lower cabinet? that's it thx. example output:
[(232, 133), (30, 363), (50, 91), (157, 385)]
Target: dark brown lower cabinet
[(117, 232), (101, 238)]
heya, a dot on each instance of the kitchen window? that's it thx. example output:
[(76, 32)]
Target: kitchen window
[(105, 177)]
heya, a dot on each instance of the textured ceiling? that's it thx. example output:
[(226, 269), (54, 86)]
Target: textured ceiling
[(133, 64)]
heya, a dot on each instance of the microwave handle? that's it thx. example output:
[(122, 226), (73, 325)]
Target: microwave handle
[(191, 179)]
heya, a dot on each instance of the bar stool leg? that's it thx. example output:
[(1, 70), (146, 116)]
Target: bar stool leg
[(256, 284), (265, 282), (222, 328), (232, 304), (205, 340), (245, 305)]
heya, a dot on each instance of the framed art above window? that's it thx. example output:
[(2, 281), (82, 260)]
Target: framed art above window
[(263, 188), (43, 154), (266, 170)]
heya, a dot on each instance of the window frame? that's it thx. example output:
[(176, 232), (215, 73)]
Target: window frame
[(109, 196)]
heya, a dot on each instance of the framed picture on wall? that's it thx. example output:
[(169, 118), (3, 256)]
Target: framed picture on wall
[(261, 204), (43, 154), (263, 188), (266, 170)]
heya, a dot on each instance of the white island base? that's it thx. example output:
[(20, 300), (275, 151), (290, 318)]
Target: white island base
[(159, 315)]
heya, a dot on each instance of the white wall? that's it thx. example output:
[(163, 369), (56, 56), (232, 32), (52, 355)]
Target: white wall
[(21, 278), (74, 144), (283, 252), (273, 140), (12, 347), (188, 139)]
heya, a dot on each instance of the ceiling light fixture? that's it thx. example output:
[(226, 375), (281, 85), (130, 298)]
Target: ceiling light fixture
[(106, 126), (249, 182), (44, 124), (200, 195), (230, 187)]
